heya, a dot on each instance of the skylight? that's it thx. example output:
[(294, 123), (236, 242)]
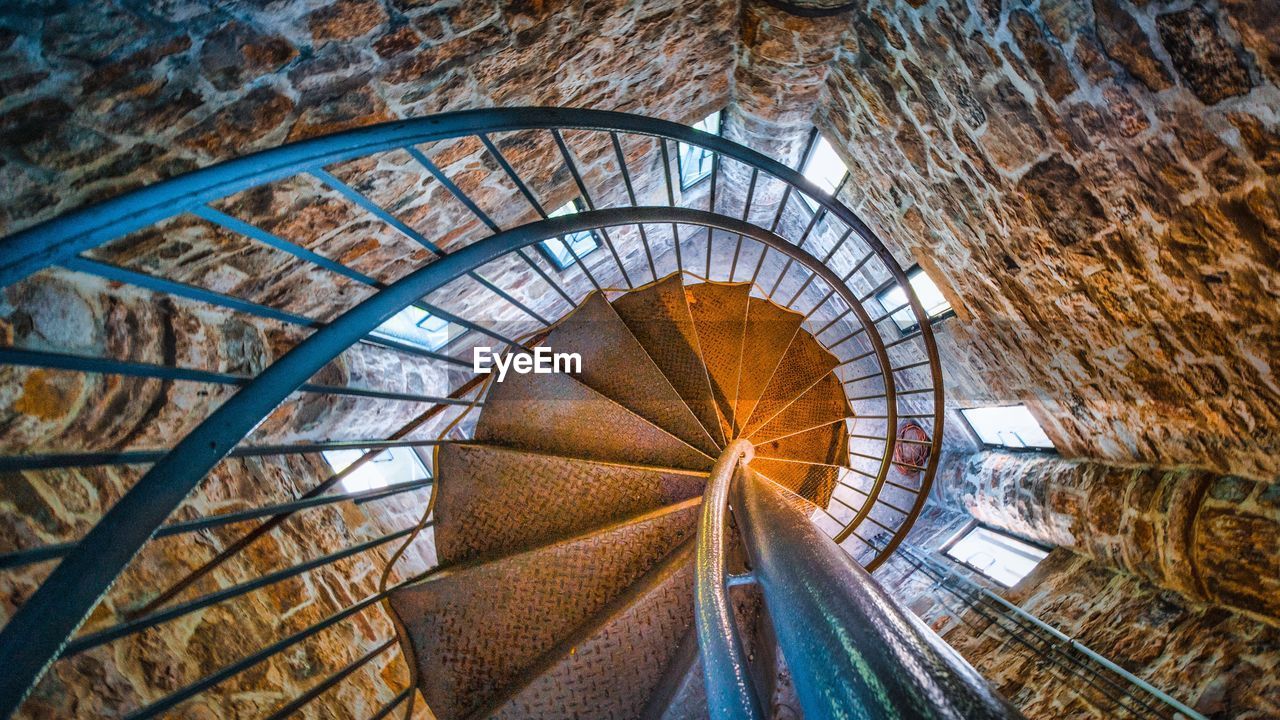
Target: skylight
[(695, 162), (390, 467), (415, 326), (935, 305), (1000, 557), (582, 242), (823, 168), (1009, 426)]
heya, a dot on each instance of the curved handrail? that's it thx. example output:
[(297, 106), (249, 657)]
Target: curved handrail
[(38, 631), (36, 634), (851, 650), (730, 691)]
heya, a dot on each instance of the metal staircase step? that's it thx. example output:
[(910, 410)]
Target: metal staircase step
[(494, 499), (558, 415), (609, 666), (821, 404), (804, 363), (720, 315), (769, 332), (827, 444), (811, 481), (615, 364), (473, 630), (658, 316)]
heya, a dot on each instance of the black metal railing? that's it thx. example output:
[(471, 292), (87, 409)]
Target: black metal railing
[(826, 265)]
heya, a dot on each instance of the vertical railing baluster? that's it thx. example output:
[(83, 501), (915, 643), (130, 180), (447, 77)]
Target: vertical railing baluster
[(572, 165), (711, 204), (746, 210), (671, 202), (631, 195), (470, 204), (534, 203)]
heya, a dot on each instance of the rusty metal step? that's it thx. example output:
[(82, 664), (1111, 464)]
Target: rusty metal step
[(474, 630), (495, 499), (813, 482), (658, 316), (616, 365), (720, 315), (804, 363), (827, 445), (610, 665), (823, 403), (558, 415), (769, 332)]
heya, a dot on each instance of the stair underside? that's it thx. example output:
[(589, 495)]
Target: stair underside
[(473, 630), (564, 529)]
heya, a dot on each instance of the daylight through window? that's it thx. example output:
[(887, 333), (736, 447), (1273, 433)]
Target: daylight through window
[(695, 162), (557, 250), (390, 467), (1010, 426), (1000, 557)]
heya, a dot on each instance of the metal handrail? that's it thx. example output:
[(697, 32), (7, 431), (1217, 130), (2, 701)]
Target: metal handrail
[(851, 650), (724, 663), (37, 633)]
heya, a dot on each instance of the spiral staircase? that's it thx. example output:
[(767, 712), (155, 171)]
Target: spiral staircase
[(683, 528)]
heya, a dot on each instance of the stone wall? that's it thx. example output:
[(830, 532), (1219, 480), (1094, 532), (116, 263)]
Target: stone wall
[(1214, 539), (1095, 185), (1220, 663)]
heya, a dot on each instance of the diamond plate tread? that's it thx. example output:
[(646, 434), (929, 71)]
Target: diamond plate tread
[(616, 365), (608, 668), (558, 415), (827, 445), (823, 403), (676, 680), (658, 316), (493, 499), (804, 363), (689, 699), (719, 315), (814, 483), (473, 630), (769, 332)]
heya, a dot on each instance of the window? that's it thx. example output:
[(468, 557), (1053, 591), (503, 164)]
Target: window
[(391, 466), (998, 556), (415, 326), (695, 162), (935, 305), (823, 168), (1010, 426), (582, 242)]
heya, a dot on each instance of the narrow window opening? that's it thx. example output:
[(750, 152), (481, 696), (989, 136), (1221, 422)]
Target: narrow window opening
[(1000, 557), (390, 467), (417, 327), (931, 298), (1009, 426), (695, 162), (824, 168), (557, 250)]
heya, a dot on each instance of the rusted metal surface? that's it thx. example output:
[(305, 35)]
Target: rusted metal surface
[(472, 630), (804, 363), (615, 364), (559, 415), (609, 666), (822, 404), (658, 316), (769, 332), (500, 499), (720, 316)]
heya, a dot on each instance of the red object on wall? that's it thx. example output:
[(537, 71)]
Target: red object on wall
[(911, 453)]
